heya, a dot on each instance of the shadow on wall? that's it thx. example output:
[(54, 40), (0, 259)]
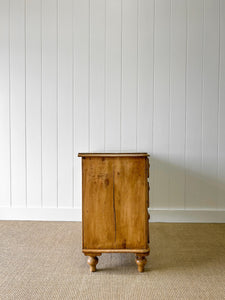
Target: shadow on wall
[(176, 186)]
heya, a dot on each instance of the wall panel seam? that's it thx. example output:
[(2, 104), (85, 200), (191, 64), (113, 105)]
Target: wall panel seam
[(105, 78), (202, 86), (169, 129), (41, 30), (89, 80), (185, 122), (57, 105), (153, 97), (121, 76), (137, 92), (10, 104), (73, 107), (219, 99), (25, 94), (153, 75)]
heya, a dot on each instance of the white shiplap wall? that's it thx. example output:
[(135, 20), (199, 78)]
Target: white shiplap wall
[(112, 75)]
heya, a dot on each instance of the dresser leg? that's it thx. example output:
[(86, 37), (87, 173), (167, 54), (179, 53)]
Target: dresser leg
[(141, 261), (92, 261)]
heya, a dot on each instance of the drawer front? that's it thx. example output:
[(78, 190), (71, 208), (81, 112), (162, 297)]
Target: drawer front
[(147, 166), (114, 203)]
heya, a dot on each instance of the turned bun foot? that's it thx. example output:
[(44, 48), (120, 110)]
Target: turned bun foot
[(92, 261), (140, 261)]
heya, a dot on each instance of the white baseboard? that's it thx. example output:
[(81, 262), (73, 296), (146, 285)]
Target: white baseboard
[(74, 214), (187, 216), (40, 214)]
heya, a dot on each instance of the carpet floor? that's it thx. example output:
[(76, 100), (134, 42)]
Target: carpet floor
[(43, 260)]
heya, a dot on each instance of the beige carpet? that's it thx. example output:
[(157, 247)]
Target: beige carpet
[(43, 260)]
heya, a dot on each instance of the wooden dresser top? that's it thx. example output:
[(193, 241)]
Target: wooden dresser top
[(144, 154)]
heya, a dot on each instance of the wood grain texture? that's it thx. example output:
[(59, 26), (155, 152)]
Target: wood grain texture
[(130, 203), (98, 213), (115, 203), (92, 261), (115, 199), (113, 250), (140, 261)]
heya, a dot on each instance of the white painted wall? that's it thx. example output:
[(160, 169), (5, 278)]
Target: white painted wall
[(112, 75)]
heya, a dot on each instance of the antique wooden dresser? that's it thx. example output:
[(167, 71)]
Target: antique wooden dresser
[(115, 199)]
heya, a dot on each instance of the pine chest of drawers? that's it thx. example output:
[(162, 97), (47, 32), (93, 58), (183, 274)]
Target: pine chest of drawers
[(115, 200)]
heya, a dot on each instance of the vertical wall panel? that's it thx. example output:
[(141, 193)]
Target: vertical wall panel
[(161, 102), (18, 102), (145, 75), (97, 75), (33, 102), (4, 105), (210, 103), (145, 101), (177, 103), (65, 105), (81, 53), (129, 75), (50, 102), (193, 195), (221, 110), (113, 75)]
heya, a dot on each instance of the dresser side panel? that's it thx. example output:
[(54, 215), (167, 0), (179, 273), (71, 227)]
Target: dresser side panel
[(97, 206)]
